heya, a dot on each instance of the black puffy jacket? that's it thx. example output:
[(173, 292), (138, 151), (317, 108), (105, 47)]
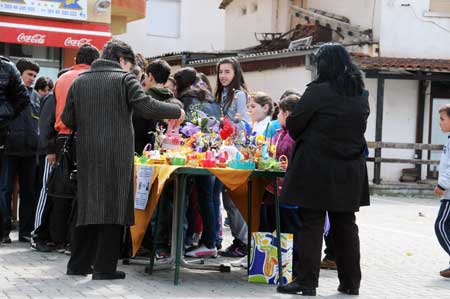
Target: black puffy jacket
[(12, 89), (22, 134)]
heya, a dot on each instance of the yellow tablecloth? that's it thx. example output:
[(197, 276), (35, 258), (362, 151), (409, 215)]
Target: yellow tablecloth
[(234, 180)]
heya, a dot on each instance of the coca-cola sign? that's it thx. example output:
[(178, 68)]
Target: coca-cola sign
[(32, 38), (69, 42)]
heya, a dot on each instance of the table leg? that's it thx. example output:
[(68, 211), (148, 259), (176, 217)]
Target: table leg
[(181, 198), (249, 224), (277, 220), (149, 269)]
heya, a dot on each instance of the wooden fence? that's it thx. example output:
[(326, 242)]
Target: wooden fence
[(418, 147)]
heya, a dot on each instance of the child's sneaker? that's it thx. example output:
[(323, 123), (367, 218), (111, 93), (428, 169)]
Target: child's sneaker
[(242, 263), (445, 273), (237, 249), (202, 251)]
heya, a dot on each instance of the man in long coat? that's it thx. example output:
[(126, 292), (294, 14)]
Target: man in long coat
[(99, 108)]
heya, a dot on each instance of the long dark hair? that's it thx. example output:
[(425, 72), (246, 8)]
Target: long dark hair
[(238, 81), (335, 65)]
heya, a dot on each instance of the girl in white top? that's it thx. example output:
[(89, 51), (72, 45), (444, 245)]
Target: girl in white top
[(260, 108)]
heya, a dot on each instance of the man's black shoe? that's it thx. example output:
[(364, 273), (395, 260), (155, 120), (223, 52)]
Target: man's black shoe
[(25, 239), (108, 276), (41, 247), (295, 288), (343, 290), (77, 272)]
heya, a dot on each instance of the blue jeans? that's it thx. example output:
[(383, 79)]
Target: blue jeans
[(208, 210)]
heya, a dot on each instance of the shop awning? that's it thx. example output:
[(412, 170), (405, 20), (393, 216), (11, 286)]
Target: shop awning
[(50, 33)]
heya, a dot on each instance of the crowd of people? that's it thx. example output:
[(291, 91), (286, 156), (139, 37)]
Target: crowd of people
[(108, 104)]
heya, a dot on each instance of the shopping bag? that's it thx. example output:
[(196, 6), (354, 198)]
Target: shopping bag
[(263, 266)]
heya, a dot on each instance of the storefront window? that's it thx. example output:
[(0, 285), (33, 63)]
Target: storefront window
[(49, 58), (35, 52)]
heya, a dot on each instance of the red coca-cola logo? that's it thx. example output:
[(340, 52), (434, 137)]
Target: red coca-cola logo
[(69, 42), (32, 38)]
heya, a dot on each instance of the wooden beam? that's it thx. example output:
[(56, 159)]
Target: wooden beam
[(421, 96), (378, 130), (411, 146), (402, 161), (373, 74)]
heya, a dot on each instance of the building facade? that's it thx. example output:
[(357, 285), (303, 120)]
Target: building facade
[(51, 31), (178, 25)]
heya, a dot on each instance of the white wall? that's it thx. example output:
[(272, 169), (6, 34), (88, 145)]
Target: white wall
[(407, 32), (399, 123), (202, 28), (240, 29), (275, 82)]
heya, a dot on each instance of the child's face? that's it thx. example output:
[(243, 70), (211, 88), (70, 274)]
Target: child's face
[(43, 92), (256, 111), (282, 115), (226, 74), (444, 122), (28, 77)]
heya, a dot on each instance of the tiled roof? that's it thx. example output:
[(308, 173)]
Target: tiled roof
[(262, 55), (193, 54), (407, 64)]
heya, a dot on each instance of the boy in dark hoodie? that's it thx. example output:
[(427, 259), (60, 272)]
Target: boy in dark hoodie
[(157, 73)]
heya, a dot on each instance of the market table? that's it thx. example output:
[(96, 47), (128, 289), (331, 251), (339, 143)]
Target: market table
[(245, 187)]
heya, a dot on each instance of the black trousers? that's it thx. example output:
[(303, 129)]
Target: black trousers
[(309, 247), (2, 143), (96, 245), (25, 168), (329, 246)]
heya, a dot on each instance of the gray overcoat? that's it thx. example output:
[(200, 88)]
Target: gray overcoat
[(99, 107)]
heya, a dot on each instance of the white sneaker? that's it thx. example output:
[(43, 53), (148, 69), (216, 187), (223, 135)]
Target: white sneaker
[(243, 263), (202, 251)]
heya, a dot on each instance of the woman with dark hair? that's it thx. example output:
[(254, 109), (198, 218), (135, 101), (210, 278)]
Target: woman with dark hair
[(328, 169), (192, 93), (231, 94)]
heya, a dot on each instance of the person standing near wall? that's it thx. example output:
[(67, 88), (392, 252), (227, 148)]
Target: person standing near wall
[(328, 169)]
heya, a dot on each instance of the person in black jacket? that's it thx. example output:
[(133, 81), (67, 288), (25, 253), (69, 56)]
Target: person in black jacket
[(191, 91), (13, 99), (20, 158), (328, 169), (46, 144)]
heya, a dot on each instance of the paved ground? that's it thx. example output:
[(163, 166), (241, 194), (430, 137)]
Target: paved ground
[(400, 259)]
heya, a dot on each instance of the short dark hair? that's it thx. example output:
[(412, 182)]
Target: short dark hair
[(116, 49), (42, 83), (24, 64), (446, 109), (160, 70), (87, 54), (288, 103)]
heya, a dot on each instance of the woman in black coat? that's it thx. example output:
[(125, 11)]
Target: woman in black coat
[(327, 171)]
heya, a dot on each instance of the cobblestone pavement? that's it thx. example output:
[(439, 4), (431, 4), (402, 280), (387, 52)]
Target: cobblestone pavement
[(400, 259)]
